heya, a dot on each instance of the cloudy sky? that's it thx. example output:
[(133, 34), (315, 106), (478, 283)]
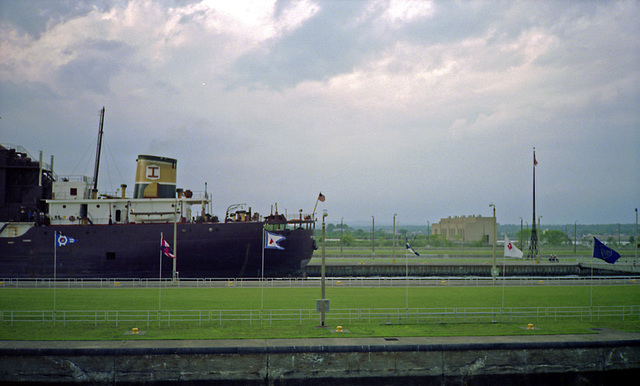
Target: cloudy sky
[(424, 109)]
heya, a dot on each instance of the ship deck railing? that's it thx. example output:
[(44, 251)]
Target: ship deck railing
[(301, 316)]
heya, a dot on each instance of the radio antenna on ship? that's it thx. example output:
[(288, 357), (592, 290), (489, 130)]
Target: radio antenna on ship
[(97, 165)]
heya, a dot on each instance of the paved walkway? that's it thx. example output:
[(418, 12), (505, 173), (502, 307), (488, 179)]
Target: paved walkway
[(607, 337)]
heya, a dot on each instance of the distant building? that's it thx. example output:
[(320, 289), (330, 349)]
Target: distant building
[(466, 228)]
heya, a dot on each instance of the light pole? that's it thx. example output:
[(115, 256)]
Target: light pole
[(323, 304), (637, 241), (521, 230), (539, 237), (394, 236), (373, 235), (493, 269), (575, 236), (341, 232)]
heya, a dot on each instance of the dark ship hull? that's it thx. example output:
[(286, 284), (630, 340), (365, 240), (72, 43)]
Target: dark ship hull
[(119, 237), (204, 250)]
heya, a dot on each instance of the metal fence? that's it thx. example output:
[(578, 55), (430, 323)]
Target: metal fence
[(350, 315), (315, 282)]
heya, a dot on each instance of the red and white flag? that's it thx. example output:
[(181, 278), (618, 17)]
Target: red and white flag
[(511, 250), (166, 248)]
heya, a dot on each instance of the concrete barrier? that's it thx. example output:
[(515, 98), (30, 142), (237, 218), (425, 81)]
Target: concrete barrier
[(447, 270), (568, 360), (442, 270)]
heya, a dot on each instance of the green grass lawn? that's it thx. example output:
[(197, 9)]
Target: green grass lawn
[(304, 298)]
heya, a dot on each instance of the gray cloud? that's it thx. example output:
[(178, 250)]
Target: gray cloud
[(421, 112)]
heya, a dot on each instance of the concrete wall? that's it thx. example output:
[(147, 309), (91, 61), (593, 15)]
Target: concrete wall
[(444, 270), (558, 362)]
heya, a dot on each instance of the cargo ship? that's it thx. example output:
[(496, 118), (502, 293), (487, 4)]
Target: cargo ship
[(115, 236)]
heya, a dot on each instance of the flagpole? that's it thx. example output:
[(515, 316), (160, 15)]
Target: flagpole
[(504, 278), (175, 241), (262, 274), (591, 282), (406, 280), (160, 280), (591, 293), (55, 273)]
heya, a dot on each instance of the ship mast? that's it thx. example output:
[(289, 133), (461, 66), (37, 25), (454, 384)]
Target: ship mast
[(97, 165)]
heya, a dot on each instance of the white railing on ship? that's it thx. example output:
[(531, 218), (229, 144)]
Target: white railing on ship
[(314, 282), (350, 315)]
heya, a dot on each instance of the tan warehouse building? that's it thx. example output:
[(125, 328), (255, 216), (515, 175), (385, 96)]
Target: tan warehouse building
[(466, 228)]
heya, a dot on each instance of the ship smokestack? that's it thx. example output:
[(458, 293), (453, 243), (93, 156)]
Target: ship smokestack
[(155, 177), (124, 189)]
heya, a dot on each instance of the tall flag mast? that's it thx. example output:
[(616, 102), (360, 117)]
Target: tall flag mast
[(533, 246)]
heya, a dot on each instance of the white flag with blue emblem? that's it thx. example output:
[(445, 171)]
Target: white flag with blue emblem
[(410, 249), (272, 240), (63, 241)]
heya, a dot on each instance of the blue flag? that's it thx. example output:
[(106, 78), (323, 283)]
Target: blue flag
[(603, 252), (63, 241)]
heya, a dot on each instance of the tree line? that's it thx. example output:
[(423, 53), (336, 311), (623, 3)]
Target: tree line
[(419, 236)]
